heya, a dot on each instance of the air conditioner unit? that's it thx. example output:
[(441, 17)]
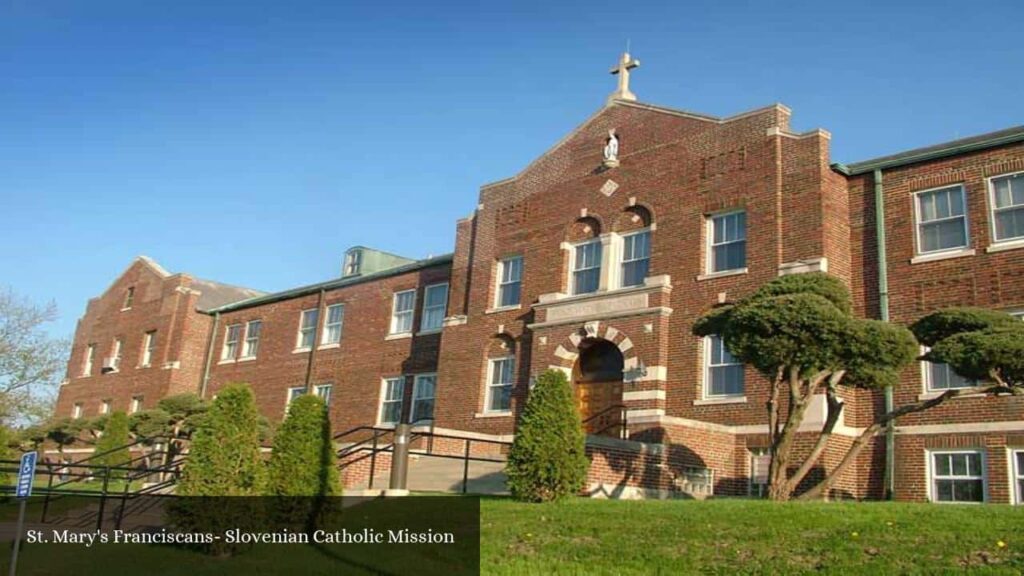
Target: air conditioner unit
[(110, 365)]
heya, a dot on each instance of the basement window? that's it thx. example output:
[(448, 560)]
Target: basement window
[(957, 476)]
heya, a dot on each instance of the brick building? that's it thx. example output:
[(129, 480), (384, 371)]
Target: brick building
[(596, 259)]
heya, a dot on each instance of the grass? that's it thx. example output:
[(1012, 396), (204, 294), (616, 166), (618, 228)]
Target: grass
[(582, 536)]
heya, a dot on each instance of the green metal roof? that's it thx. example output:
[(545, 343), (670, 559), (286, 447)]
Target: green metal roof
[(333, 284), (946, 149)]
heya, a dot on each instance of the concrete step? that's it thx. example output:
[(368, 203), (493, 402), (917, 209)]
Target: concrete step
[(434, 474)]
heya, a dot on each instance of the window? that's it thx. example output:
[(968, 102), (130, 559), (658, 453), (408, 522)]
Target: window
[(353, 262), (252, 338), (293, 393), (423, 397), (728, 240), (105, 407), (136, 404), (510, 281), (958, 476), (940, 377), (760, 461), (307, 329), (941, 220), (586, 267), (1018, 475), (1018, 314), (391, 400), (1008, 207), (148, 348), (90, 356), (76, 410), (115, 355), (129, 298), (500, 374), (232, 336), (402, 311), (332, 324), (323, 391), (636, 257), (435, 304), (724, 376)]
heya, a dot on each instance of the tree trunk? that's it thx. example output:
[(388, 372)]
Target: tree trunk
[(835, 409), (778, 487)]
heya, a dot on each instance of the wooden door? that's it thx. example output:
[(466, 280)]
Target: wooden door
[(596, 402)]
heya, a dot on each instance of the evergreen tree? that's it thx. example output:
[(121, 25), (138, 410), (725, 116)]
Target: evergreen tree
[(548, 459), (114, 442), (224, 459), (303, 460)]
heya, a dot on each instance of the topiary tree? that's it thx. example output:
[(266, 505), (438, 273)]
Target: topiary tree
[(983, 345), (64, 432), (112, 446), (224, 459), (799, 332), (303, 460), (548, 458), (184, 411)]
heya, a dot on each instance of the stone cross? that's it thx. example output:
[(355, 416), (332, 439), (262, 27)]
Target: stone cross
[(622, 69)]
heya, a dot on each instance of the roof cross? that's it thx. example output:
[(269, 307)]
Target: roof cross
[(622, 69)]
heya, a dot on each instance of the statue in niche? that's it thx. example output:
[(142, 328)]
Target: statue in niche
[(611, 150)]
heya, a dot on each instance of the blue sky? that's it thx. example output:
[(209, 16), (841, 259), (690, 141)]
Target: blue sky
[(252, 142)]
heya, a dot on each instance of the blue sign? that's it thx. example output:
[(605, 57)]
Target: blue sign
[(26, 474)]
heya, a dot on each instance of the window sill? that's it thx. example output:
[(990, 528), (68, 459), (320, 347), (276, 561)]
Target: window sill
[(1006, 245), (301, 350), (126, 309), (721, 400), (398, 336), (945, 255), (937, 393), (226, 361), (330, 346), (501, 309), (143, 366), (722, 274), (429, 332), (246, 359), (495, 414)]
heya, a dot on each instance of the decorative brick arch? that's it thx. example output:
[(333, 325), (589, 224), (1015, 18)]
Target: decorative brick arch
[(568, 352)]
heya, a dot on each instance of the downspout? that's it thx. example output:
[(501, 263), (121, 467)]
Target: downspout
[(883, 309), (316, 339), (209, 356)]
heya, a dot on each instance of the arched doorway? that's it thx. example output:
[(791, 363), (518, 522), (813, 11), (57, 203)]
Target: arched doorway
[(597, 380)]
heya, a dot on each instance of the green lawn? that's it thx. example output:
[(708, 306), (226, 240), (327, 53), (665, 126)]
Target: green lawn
[(583, 536), (749, 537)]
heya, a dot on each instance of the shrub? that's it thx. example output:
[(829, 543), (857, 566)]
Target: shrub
[(114, 441), (303, 462), (224, 459), (548, 459)]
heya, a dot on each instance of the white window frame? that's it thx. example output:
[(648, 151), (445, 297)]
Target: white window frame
[(303, 329), (622, 256), (116, 354), (992, 209), (148, 348), (393, 330), (353, 262), (931, 478), (573, 248), (325, 339), (384, 388), (707, 372), (926, 377), (90, 359), (1018, 314), (489, 385), (324, 392), (709, 244), (229, 351), (415, 415), (1017, 475), (135, 405), (129, 299), (251, 344), (290, 396), (424, 329), (503, 267), (76, 410), (918, 223), (104, 407)]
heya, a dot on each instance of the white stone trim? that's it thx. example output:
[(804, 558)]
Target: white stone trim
[(819, 264), (714, 400), (722, 274), (946, 255), (610, 333), (652, 374), (564, 354), (643, 395), (456, 320), (1005, 245), (646, 412), (964, 428), (565, 370)]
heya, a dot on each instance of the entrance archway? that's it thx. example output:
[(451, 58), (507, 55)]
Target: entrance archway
[(597, 380)]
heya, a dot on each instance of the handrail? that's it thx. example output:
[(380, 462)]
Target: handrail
[(621, 424), (140, 440)]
